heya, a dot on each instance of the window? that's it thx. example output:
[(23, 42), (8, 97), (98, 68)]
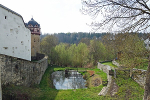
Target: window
[(11, 30), (5, 47), (21, 42), (5, 17)]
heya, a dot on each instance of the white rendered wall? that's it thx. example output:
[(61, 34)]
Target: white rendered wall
[(15, 38)]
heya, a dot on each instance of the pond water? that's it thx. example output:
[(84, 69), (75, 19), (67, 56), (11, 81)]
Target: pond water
[(72, 80)]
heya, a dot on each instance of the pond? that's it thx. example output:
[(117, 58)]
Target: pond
[(72, 80)]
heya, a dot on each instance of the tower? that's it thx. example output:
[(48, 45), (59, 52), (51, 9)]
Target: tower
[(35, 37)]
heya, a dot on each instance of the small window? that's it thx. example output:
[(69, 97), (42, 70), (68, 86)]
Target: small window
[(5, 47), (11, 30), (22, 42), (5, 17), (34, 40)]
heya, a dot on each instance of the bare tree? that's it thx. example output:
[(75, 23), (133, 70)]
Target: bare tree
[(122, 16)]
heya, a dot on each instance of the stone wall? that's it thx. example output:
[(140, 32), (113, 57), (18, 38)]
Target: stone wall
[(106, 69), (21, 72), (139, 75)]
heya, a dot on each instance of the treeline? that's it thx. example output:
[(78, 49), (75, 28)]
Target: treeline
[(87, 52), (75, 55), (72, 38)]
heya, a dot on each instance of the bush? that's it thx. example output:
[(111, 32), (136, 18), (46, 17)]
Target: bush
[(86, 76)]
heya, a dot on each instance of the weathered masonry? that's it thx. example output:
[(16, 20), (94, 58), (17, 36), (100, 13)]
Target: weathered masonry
[(21, 72), (16, 50)]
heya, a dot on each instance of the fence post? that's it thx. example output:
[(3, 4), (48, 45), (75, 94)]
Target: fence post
[(114, 73)]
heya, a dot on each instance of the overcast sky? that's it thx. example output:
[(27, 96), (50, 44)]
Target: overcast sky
[(54, 16)]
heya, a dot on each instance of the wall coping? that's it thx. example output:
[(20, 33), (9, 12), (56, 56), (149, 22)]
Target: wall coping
[(39, 61), (105, 89)]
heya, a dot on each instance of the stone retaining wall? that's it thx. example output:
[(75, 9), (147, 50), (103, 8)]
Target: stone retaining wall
[(139, 75), (21, 72), (106, 69)]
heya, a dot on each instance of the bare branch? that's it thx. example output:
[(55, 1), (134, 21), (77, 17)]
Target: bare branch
[(124, 14)]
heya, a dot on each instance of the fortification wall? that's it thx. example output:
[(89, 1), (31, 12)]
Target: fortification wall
[(21, 72)]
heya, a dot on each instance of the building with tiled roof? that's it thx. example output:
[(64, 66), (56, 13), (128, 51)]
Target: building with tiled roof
[(35, 37)]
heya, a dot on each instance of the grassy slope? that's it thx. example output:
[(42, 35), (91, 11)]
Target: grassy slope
[(78, 94), (128, 89), (110, 64)]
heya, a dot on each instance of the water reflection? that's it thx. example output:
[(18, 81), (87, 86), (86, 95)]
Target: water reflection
[(72, 80)]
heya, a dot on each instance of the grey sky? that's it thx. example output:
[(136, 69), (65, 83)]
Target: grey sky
[(53, 15)]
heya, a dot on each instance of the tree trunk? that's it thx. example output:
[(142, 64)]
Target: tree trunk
[(147, 83)]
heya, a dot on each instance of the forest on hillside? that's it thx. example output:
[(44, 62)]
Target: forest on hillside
[(75, 37), (85, 49), (78, 36)]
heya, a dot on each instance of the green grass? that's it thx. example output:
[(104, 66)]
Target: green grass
[(101, 73), (143, 65), (70, 68), (110, 64), (129, 90), (46, 91)]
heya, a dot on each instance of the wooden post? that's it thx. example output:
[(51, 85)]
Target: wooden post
[(114, 73)]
